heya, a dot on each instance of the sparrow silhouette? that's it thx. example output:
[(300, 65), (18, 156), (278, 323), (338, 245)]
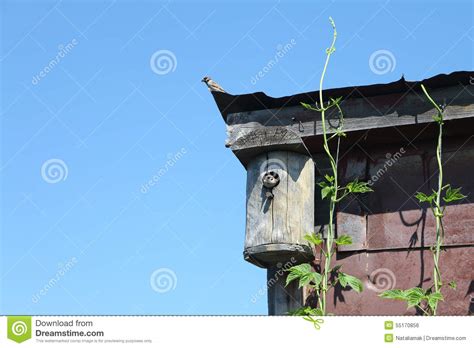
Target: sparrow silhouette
[(212, 85)]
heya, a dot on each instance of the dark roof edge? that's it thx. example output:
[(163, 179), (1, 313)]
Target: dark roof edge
[(228, 103)]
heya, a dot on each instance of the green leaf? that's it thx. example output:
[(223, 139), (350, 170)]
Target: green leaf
[(333, 102), (297, 272), (313, 311), (425, 198), (414, 296), (308, 278), (453, 195), (394, 294), (316, 312), (305, 274), (434, 298), (327, 191), (309, 107), (306, 311), (314, 238), (301, 269), (297, 312), (290, 277), (452, 284), (355, 284), (346, 279), (342, 279), (343, 240), (329, 178), (358, 187), (438, 118)]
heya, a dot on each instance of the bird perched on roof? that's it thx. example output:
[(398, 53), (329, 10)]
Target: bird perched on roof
[(212, 85)]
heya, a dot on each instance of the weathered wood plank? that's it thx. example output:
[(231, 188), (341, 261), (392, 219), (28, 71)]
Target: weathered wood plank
[(278, 161), (259, 221), (244, 137), (359, 113), (300, 197)]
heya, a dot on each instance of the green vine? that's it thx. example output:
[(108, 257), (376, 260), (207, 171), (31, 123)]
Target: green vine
[(321, 282), (426, 300)]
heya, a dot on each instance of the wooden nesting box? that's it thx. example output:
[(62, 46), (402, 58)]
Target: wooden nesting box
[(278, 218)]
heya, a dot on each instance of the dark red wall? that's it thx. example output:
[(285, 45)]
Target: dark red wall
[(393, 232)]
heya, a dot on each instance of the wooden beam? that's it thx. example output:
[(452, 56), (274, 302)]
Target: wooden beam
[(262, 130), (281, 299)]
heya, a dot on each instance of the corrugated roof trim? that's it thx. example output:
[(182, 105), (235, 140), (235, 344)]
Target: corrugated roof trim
[(228, 103)]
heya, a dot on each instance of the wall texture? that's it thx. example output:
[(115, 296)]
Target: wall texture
[(392, 232)]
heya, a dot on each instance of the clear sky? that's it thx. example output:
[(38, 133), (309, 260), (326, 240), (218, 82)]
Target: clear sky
[(118, 195)]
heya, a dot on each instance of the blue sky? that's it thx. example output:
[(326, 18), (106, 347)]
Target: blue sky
[(80, 233)]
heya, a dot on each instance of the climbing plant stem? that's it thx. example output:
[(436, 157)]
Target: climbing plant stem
[(333, 163), (438, 212)]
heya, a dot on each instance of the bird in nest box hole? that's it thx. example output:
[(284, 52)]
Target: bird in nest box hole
[(212, 85), (270, 180)]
